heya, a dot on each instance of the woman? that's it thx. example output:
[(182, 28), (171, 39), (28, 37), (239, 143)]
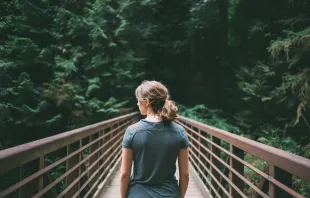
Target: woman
[(154, 144)]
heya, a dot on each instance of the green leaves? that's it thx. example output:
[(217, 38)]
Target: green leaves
[(211, 117), (4, 66), (255, 81), (111, 106), (295, 42), (97, 33), (121, 28), (91, 88), (54, 119)]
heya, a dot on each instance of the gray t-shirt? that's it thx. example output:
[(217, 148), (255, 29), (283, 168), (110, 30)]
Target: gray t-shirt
[(155, 148)]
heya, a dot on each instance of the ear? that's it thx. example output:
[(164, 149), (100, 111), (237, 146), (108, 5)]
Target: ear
[(147, 102)]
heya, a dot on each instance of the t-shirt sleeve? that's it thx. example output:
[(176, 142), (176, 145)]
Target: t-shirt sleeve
[(184, 139), (127, 139)]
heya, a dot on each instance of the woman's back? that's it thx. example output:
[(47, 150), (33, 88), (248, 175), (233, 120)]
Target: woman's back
[(154, 144), (155, 147)]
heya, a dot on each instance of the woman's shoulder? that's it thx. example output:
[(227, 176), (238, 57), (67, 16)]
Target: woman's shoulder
[(177, 127), (136, 126)]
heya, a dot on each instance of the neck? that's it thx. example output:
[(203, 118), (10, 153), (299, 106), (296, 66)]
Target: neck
[(153, 117)]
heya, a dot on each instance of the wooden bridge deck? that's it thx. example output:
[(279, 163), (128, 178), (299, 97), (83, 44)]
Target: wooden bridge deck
[(194, 189)]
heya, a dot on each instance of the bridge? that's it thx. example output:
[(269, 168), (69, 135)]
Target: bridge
[(85, 162)]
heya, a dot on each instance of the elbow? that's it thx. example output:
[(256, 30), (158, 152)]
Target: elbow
[(124, 176), (184, 176)]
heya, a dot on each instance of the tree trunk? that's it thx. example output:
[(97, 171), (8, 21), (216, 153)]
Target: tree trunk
[(191, 72), (221, 69), (223, 8)]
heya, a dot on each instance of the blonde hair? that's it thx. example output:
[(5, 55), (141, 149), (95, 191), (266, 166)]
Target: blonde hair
[(158, 96)]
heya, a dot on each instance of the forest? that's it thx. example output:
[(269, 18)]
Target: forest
[(239, 65)]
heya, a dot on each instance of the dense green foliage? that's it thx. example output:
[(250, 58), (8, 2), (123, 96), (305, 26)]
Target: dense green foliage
[(66, 64), (63, 64), (273, 77), (212, 117), (71, 63)]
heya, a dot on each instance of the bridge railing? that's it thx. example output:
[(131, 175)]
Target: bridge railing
[(221, 159), (71, 164)]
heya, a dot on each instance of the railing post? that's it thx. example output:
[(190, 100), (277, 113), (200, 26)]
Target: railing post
[(100, 144), (190, 132), (271, 186), (239, 167), (92, 159), (41, 178), (71, 163), (194, 144), (282, 176), (199, 154), (215, 162), (207, 155), (105, 140), (114, 126), (80, 159)]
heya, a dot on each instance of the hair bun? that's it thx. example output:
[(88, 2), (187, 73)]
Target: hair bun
[(169, 111)]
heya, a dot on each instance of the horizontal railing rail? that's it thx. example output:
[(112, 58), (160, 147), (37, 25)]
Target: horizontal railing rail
[(219, 157), (71, 164), (79, 162)]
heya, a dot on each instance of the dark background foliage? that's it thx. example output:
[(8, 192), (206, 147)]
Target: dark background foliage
[(67, 64)]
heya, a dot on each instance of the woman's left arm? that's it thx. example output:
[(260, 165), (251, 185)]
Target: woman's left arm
[(125, 170)]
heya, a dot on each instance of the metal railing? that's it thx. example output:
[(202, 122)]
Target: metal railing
[(80, 162), (219, 159), (71, 164)]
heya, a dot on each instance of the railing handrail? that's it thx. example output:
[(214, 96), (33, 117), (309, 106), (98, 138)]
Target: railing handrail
[(292, 163), (29, 151), (205, 155)]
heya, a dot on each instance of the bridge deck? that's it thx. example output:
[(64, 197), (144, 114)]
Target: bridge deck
[(113, 189)]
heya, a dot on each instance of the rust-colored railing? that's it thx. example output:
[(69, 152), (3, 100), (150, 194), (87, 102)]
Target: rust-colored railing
[(71, 164), (221, 160), (78, 163)]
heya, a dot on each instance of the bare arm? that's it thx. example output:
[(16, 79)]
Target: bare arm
[(125, 171), (183, 171)]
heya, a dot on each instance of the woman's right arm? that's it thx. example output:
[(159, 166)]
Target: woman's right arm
[(183, 171)]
